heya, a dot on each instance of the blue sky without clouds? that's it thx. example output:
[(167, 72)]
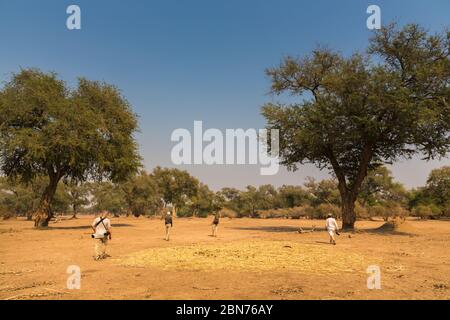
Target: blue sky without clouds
[(180, 61)]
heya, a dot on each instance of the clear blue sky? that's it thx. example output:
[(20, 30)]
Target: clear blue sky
[(180, 61)]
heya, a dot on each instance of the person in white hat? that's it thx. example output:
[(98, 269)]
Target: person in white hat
[(332, 228), (169, 224)]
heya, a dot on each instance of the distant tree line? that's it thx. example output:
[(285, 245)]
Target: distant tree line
[(149, 194)]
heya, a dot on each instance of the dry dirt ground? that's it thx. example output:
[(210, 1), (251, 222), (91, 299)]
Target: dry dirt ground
[(250, 259)]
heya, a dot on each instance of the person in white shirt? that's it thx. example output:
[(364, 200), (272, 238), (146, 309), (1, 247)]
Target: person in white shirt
[(332, 228), (102, 232)]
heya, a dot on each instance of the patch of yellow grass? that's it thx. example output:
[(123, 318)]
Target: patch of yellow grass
[(251, 256)]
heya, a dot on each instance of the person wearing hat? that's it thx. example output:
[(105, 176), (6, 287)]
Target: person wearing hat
[(169, 224), (332, 228)]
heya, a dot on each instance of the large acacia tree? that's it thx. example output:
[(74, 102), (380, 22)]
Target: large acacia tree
[(361, 111), (73, 135)]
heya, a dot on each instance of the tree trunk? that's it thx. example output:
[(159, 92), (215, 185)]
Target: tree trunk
[(350, 193), (348, 211), (75, 211), (44, 213)]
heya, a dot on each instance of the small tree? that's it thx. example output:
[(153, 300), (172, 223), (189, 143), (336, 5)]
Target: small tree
[(23, 199), (231, 198), (17, 199), (108, 197), (438, 186), (322, 192), (203, 203), (49, 129), (78, 194), (142, 195), (175, 186), (292, 196), (250, 201), (379, 187)]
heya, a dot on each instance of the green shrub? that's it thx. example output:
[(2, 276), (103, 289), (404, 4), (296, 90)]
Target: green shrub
[(378, 211), (437, 211), (423, 212)]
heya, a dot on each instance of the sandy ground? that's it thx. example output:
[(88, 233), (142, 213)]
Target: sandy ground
[(251, 259)]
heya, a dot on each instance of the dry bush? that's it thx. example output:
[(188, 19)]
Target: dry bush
[(391, 210), (286, 213), (278, 213), (228, 213), (321, 211), (304, 211), (397, 211), (5, 214), (379, 211), (273, 213), (361, 212)]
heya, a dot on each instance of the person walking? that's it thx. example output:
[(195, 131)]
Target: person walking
[(332, 228), (168, 221), (102, 233), (215, 224)]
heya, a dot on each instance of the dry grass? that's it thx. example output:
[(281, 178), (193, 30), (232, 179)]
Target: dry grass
[(251, 256)]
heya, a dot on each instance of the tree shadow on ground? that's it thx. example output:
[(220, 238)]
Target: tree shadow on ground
[(118, 225), (273, 229), (376, 231), (324, 242)]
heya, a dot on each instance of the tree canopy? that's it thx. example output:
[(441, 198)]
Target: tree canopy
[(176, 186)]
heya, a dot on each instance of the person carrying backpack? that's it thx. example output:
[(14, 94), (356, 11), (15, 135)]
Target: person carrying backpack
[(102, 233)]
